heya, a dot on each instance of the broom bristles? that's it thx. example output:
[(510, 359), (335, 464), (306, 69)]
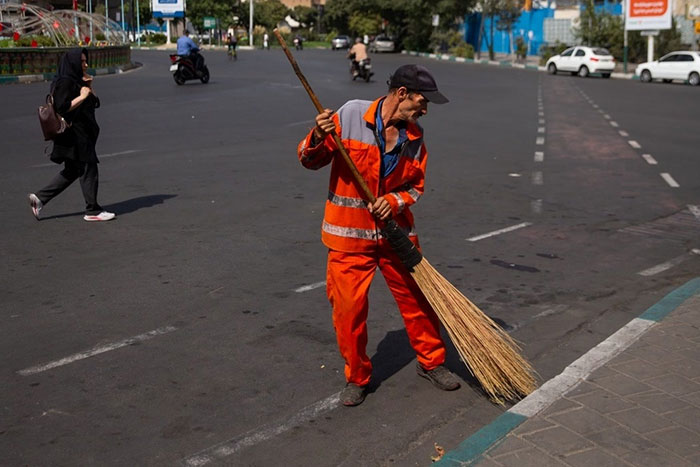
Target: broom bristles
[(490, 354)]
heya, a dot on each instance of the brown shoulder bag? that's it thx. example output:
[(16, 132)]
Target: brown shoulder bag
[(52, 124)]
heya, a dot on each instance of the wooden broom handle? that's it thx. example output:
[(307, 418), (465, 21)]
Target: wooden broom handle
[(343, 152)]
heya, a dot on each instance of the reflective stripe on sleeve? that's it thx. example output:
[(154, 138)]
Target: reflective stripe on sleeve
[(346, 201)]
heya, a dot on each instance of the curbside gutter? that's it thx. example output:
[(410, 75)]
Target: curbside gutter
[(472, 448), (503, 63), (15, 79)]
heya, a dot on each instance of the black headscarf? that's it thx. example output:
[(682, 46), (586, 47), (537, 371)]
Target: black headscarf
[(71, 67)]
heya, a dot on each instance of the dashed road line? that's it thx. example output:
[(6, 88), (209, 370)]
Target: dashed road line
[(650, 160), (694, 210), (536, 206), (499, 231), (634, 144), (666, 265), (540, 129), (96, 351), (540, 140), (258, 435), (537, 178), (668, 179), (623, 133), (539, 156), (614, 124), (306, 288)]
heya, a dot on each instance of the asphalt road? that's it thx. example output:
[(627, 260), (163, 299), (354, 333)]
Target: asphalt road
[(195, 330)]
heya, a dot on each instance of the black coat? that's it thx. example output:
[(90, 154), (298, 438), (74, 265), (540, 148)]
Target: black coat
[(78, 142)]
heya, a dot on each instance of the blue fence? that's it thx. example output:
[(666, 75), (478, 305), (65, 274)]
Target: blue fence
[(529, 26)]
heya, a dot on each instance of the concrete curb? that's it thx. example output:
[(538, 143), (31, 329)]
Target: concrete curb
[(473, 447), (14, 79), (503, 63)]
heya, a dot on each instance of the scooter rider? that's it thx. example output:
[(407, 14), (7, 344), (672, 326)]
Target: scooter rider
[(357, 53), (187, 48)]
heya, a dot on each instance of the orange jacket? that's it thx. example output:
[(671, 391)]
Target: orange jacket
[(347, 225)]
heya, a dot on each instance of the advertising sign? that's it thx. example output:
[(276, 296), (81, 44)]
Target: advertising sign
[(168, 8), (643, 15)]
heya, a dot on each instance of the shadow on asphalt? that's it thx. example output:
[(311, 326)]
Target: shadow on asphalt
[(395, 352), (122, 207)]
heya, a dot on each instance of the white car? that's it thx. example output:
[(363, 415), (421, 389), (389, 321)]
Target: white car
[(582, 61), (683, 65)]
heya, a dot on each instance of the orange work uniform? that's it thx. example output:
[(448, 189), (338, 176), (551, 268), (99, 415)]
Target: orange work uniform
[(355, 242)]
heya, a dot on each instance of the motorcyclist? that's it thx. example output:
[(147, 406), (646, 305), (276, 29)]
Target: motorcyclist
[(357, 53), (187, 48)]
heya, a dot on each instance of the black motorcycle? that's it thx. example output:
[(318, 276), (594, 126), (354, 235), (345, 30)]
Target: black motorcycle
[(184, 69), (361, 69)]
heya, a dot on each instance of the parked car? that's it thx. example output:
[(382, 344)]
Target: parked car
[(341, 42), (682, 65), (382, 43), (582, 61)]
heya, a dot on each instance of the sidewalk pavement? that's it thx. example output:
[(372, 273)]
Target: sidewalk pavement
[(633, 400)]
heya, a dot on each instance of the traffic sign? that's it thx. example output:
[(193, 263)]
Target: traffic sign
[(209, 22)]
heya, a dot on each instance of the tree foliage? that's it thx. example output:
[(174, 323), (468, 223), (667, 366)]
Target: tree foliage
[(602, 29), (408, 21)]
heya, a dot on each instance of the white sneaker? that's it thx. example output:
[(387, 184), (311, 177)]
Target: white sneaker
[(103, 216), (36, 204)]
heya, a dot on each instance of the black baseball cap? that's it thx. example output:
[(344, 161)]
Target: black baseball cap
[(417, 78)]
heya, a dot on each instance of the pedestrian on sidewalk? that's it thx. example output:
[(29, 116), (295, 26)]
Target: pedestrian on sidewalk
[(75, 100), (385, 142)]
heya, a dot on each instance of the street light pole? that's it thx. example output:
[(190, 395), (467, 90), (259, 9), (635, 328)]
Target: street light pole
[(250, 27)]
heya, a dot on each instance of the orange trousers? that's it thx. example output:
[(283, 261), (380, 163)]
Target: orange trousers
[(349, 276)]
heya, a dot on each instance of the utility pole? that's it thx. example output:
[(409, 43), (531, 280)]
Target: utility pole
[(250, 27)]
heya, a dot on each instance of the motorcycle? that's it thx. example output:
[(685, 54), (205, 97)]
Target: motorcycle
[(298, 44), (361, 69), (183, 69)]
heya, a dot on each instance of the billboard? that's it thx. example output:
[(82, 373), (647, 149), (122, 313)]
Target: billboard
[(168, 8), (643, 15)]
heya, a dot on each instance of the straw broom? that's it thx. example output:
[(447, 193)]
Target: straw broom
[(491, 355)]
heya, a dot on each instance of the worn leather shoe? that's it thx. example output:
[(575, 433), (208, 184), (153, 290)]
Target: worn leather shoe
[(440, 376), (353, 395)]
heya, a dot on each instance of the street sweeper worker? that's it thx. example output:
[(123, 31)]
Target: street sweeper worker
[(385, 142)]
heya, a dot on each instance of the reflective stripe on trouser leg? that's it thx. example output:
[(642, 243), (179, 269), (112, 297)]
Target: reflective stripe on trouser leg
[(349, 276), (422, 324)]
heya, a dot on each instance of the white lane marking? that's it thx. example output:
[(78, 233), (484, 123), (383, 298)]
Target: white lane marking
[(263, 433), (536, 206), (541, 121), (614, 124), (97, 350), (623, 133), (306, 288), (634, 144), (650, 160), (606, 116), (573, 374), (515, 175), (668, 264), (695, 210), (540, 129), (539, 140), (498, 232), (99, 156), (541, 114), (595, 106), (539, 156), (537, 178), (671, 182)]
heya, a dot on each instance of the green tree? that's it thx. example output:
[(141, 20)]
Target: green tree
[(508, 15), (269, 12), (360, 24), (600, 29), (198, 9)]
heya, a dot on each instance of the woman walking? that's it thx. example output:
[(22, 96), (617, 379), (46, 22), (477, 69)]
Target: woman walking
[(76, 102)]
